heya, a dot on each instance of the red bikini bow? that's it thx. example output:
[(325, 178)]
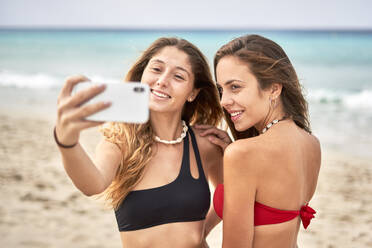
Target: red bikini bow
[(306, 213)]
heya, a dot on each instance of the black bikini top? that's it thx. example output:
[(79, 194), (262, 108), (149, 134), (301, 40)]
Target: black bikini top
[(184, 199)]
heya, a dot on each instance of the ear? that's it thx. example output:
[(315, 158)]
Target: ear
[(193, 95), (275, 90)]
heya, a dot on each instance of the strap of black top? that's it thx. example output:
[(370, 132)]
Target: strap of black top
[(185, 157), (197, 154)]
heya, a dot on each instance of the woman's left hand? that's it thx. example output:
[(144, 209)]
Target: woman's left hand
[(216, 135)]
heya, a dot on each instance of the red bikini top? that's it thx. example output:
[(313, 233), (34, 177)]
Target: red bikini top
[(265, 215)]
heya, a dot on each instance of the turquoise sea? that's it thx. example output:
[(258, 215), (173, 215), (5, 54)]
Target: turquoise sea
[(334, 67)]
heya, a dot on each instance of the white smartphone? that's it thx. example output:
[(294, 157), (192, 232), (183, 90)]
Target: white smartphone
[(129, 102)]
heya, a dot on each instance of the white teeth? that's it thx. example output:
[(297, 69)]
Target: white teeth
[(159, 94), (236, 113)]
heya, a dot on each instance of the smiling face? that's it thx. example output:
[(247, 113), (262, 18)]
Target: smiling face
[(242, 97), (171, 80)]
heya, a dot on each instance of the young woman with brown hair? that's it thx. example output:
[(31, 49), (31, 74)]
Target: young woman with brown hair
[(271, 170), (155, 175)]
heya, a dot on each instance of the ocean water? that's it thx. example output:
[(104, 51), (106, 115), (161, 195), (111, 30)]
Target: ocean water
[(335, 69)]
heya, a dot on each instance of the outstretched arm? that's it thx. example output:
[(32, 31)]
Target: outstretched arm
[(88, 176)]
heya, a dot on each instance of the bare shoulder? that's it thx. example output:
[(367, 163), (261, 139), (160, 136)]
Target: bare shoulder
[(245, 155), (242, 163), (315, 156), (312, 147), (315, 142)]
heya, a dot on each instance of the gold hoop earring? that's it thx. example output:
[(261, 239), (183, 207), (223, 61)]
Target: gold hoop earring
[(272, 103)]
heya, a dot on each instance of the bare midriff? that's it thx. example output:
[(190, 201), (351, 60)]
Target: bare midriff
[(179, 234)]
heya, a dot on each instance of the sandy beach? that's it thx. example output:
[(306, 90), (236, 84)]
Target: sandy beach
[(41, 208)]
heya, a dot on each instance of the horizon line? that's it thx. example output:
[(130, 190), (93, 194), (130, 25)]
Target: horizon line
[(181, 29)]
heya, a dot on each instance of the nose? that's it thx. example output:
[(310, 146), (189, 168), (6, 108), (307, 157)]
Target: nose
[(162, 80), (226, 100)]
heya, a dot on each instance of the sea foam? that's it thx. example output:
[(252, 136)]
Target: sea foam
[(352, 99), (42, 80)]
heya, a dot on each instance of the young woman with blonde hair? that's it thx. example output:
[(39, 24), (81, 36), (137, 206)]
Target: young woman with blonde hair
[(155, 175)]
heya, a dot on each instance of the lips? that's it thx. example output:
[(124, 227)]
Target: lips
[(235, 114), (160, 94)]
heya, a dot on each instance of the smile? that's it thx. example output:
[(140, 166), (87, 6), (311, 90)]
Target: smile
[(236, 115), (160, 94)]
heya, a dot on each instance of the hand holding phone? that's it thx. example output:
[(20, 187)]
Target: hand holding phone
[(129, 102)]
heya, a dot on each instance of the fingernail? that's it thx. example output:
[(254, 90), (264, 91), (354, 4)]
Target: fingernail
[(108, 103)]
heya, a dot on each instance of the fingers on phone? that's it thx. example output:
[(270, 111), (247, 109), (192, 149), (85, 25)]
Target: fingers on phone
[(90, 109), (85, 95), (69, 85), (87, 124), (72, 110), (78, 115)]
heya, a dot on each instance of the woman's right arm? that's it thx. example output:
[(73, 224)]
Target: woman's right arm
[(240, 174), (88, 176)]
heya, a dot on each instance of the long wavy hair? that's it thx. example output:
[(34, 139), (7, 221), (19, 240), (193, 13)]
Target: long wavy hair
[(269, 64), (136, 140)]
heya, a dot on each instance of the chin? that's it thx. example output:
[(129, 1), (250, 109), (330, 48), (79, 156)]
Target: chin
[(156, 106), (159, 108), (241, 127)]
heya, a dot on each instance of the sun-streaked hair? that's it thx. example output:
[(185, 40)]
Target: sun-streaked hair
[(136, 140)]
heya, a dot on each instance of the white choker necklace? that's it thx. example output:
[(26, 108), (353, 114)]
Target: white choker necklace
[(178, 140), (272, 123)]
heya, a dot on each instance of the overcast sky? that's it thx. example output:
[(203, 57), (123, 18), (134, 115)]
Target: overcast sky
[(189, 14)]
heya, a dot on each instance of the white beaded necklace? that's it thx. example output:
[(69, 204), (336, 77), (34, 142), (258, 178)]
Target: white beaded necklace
[(272, 123), (178, 140)]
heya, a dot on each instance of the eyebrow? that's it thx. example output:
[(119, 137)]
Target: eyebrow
[(230, 82), (177, 67)]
